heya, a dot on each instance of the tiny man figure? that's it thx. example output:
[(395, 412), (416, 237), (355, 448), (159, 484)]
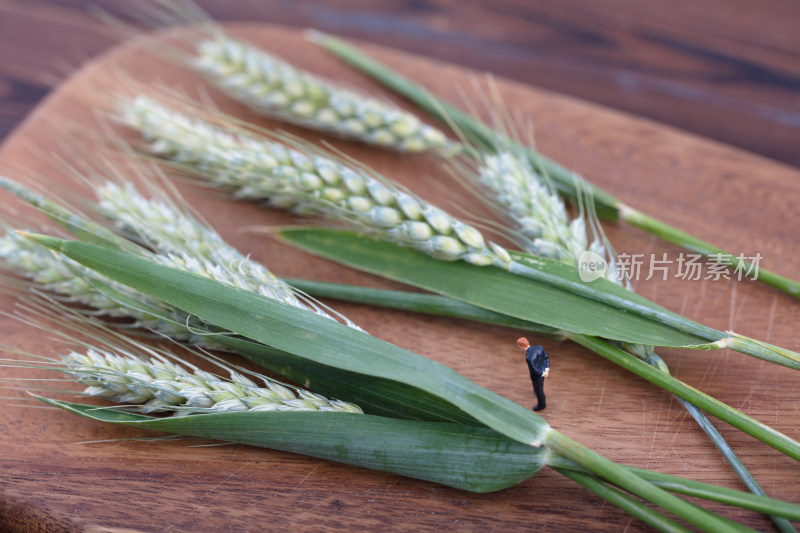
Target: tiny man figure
[(539, 367)]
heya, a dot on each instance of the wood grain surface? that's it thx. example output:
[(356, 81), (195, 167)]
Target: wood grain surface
[(726, 69), (52, 480)]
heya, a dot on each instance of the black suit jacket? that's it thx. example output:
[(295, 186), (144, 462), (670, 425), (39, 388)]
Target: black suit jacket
[(538, 361)]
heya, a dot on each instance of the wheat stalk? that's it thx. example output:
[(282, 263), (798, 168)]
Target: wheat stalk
[(261, 169), (275, 88)]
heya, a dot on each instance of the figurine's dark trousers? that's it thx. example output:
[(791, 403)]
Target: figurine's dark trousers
[(538, 389)]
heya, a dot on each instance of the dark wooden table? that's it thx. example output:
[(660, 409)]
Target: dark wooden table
[(611, 56), (725, 69)]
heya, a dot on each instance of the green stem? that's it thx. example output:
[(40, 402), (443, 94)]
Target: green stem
[(722, 445), (633, 507), (430, 303), (718, 255), (634, 484), (566, 181), (697, 489), (741, 470), (736, 418)]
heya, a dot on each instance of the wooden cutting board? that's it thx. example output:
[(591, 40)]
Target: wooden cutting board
[(51, 480)]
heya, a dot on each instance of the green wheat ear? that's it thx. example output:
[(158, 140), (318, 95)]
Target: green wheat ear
[(273, 87), (150, 379), (160, 385), (262, 169)]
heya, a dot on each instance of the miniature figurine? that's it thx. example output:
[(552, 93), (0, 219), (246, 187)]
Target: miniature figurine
[(539, 367)]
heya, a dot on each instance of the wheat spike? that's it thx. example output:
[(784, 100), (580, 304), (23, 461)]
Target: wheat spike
[(260, 169), (162, 385), (183, 242), (275, 88), (537, 214)]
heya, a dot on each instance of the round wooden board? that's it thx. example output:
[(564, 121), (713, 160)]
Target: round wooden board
[(51, 480)]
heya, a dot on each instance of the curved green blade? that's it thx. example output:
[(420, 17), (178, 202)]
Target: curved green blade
[(487, 287), (464, 457), (375, 396)]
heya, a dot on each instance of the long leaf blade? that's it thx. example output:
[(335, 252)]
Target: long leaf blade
[(375, 396), (486, 287), (464, 457)]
